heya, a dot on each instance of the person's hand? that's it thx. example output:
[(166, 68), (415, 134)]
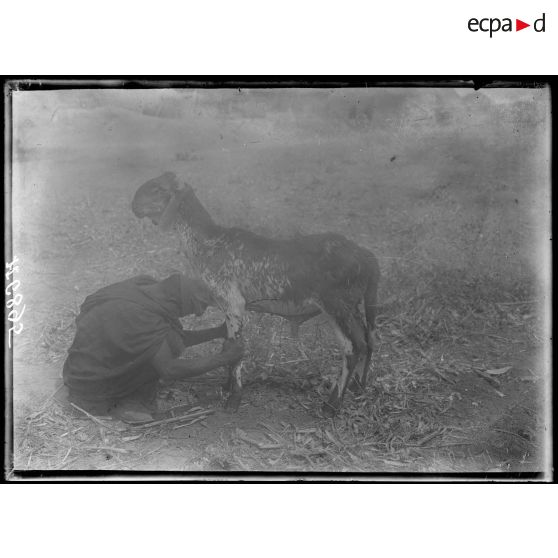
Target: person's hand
[(233, 349), (223, 331)]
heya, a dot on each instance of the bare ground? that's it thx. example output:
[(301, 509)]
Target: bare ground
[(462, 381)]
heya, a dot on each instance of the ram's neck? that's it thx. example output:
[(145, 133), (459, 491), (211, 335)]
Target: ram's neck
[(193, 219)]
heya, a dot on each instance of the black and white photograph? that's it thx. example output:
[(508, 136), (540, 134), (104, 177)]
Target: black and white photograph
[(286, 279)]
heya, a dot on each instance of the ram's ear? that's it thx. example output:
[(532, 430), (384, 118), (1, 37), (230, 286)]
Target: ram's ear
[(169, 215)]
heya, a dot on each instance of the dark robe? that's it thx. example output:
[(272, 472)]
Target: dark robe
[(119, 330)]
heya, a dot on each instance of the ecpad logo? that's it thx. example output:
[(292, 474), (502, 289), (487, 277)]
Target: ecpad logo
[(493, 25)]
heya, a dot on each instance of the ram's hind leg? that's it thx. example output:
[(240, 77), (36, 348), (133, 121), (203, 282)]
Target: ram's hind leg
[(350, 333), (361, 374), (368, 315), (360, 378)]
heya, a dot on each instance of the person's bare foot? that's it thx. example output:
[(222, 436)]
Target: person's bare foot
[(131, 412)]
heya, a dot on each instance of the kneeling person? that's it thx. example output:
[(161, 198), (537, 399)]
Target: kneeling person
[(128, 337)]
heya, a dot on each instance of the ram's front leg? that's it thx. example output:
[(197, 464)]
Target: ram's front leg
[(234, 384), (235, 321)]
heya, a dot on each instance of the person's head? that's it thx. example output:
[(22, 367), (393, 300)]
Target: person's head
[(188, 296)]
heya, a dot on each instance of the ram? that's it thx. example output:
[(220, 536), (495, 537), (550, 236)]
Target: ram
[(296, 278)]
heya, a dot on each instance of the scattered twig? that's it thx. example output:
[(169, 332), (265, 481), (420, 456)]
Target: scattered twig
[(494, 383), (95, 419), (175, 419), (245, 438), (243, 465), (171, 413), (131, 438), (307, 430), (430, 436), (446, 445), (190, 423), (393, 463), (274, 462), (514, 434), (330, 437), (497, 371), (106, 448), (293, 361), (305, 407), (66, 456), (443, 376), (502, 338), (272, 434), (310, 453)]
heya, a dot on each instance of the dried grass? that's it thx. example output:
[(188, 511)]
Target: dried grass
[(436, 325), (430, 334)]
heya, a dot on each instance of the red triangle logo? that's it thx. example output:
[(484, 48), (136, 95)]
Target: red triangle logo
[(519, 25)]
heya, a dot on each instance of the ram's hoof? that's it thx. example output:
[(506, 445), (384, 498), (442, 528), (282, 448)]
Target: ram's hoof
[(356, 388), (328, 410), (233, 402)]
